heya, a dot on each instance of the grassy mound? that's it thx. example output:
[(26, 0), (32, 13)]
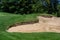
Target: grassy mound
[(7, 19)]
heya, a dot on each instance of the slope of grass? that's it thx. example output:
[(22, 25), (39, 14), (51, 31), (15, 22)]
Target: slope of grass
[(7, 19)]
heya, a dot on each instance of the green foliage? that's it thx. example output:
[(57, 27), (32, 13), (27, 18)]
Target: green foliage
[(27, 6), (48, 1), (21, 6), (58, 14)]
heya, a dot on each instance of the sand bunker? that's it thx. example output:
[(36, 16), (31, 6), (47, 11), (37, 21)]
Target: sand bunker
[(44, 25)]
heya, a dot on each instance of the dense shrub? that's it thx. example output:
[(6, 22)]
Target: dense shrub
[(28, 6), (21, 6)]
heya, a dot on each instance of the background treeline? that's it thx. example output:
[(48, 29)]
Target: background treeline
[(21, 6), (28, 6)]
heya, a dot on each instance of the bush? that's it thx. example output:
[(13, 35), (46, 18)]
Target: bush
[(21, 6)]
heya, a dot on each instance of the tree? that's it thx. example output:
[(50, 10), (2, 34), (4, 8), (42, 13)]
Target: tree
[(52, 6)]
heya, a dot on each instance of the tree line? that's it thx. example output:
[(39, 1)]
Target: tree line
[(29, 6)]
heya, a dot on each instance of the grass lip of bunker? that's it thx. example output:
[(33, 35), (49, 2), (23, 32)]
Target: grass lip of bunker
[(24, 23), (30, 22)]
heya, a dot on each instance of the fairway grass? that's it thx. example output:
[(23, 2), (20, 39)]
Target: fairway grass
[(7, 19), (29, 36)]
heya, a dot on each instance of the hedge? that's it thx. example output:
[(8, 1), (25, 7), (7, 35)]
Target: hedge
[(21, 6)]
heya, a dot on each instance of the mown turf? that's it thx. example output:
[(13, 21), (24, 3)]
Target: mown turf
[(29, 36), (8, 19)]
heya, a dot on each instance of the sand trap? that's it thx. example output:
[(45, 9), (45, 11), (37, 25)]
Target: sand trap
[(44, 25)]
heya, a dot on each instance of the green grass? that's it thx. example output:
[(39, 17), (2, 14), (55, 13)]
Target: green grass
[(7, 19), (29, 36)]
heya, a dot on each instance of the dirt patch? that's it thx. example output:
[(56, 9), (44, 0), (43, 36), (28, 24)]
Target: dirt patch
[(49, 24)]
